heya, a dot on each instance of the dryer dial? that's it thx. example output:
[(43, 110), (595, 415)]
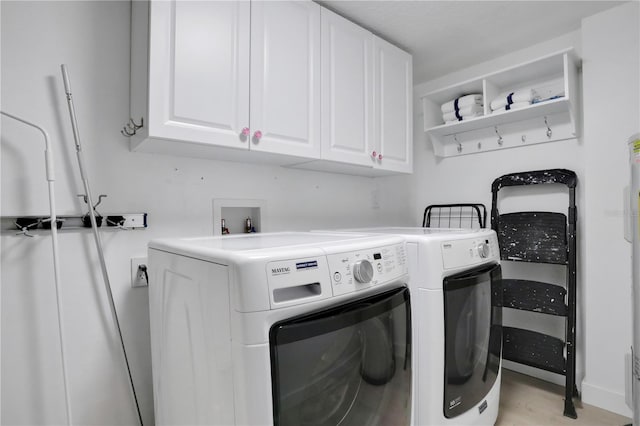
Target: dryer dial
[(483, 250), (363, 271)]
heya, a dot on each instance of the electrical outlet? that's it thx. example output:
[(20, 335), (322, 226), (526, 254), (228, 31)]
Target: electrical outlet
[(138, 276)]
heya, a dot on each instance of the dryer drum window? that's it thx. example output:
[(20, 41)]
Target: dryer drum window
[(473, 337), (348, 365)]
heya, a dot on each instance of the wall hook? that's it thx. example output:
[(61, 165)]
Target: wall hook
[(86, 219), (549, 132), (24, 229), (48, 224), (131, 127), (86, 200), (500, 141), (117, 221), (459, 148), (100, 197), (25, 232)]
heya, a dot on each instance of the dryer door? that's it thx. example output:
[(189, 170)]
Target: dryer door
[(347, 365), (473, 337)]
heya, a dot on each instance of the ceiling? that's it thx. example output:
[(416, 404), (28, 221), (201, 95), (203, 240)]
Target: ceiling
[(444, 36)]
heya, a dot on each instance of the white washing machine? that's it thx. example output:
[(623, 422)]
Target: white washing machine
[(281, 328), (455, 283)]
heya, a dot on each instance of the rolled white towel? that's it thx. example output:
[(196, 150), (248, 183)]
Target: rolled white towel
[(467, 111), (503, 99), (515, 105), (466, 117), (463, 101)]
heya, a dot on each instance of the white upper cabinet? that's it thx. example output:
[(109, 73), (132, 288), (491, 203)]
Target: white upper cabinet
[(393, 100), (347, 91), (285, 78), (202, 58), (283, 82), (366, 102), (199, 71)]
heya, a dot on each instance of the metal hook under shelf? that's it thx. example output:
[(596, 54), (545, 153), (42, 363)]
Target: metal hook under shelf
[(500, 141), (549, 132), (131, 127), (459, 148)]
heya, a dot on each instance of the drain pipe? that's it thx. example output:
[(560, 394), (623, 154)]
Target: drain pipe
[(48, 155), (96, 234)]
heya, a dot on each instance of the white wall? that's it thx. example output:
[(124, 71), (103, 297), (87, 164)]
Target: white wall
[(611, 69), (92, 38), (609, 44)]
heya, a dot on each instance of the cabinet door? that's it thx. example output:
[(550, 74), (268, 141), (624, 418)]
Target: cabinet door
[(199, 71), (393, 107), (285, 77), (347, 90)]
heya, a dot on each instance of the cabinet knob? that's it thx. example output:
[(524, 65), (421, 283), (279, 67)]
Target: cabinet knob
[(257, 135), (374, 154), (245, 131), (380, 157)]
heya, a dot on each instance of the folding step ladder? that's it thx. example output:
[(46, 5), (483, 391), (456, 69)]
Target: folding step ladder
[(540, 237)]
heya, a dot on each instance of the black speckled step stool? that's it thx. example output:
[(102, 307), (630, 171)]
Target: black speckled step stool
[(540, 237)]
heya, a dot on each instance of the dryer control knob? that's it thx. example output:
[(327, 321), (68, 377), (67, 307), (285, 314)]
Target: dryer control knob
[(483, 250), (363, 271)]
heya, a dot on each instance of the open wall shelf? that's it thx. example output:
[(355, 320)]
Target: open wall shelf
[(552, 76)]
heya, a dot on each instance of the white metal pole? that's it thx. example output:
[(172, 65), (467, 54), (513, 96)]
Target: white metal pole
[(48, 153)]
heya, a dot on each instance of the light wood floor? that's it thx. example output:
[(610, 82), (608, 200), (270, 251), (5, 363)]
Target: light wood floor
[(526, 401)]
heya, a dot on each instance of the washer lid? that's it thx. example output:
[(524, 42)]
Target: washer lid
[(224, 249), (400, 230), (427, 235), (260, 241)]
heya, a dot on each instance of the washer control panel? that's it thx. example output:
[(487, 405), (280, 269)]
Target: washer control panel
[(469, 252), (357, 270)]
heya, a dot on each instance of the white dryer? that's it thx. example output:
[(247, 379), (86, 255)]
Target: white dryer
[(455, 283), (281, 328)]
